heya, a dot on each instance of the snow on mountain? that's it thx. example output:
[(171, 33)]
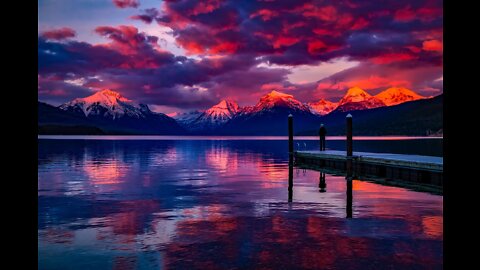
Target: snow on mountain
[(186, 118), (395, 95), (277, 99), (221, 112), (217, 115), (115, 114), (322, 107), (106, 103), (269, 116), (357, 99)]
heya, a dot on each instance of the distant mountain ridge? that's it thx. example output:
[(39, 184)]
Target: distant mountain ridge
[(112, 113), (215, 116)]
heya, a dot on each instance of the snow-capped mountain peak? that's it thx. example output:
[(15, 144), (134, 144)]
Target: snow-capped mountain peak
[(355, 94), (214, 116), (357, 99), (278, 99), (396, 95), (106, 103), (323, 106), (224, 107), (106, 97)]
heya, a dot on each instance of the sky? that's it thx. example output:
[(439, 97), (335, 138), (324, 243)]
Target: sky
[(184, 55)]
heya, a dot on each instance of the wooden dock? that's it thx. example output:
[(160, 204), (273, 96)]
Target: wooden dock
[(424, 170)]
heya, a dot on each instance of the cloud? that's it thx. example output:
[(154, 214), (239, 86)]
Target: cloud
[(126, 3), (241, 49), (432, 45), (302, 32), (59, 34), (147, 16)]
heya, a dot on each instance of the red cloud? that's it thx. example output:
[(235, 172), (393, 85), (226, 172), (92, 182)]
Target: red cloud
[(433, 45), (225, 47), (265, 14), (285, 41), (59, 34), (405, 14), (316, 46), (126, 3), (276, 86), (326, 32), (327, 13), (359, 24), (206, 6), (391, 58), (425, 14), (126, 39)]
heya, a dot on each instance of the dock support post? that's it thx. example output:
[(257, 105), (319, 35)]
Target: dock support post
[(290, 134), (349, 177), (349, 136), (349, 145)]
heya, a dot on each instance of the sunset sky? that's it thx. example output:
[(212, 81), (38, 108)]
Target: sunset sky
[(186, 54)]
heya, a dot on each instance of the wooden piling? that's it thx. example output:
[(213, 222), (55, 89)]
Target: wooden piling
[(349, 136), (290, 134), (349, 164)]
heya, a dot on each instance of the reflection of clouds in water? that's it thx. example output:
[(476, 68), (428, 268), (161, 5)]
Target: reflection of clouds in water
[(202, 204), (105, 172), (222, 159), (163, 231), (168, 158), (433, 226)]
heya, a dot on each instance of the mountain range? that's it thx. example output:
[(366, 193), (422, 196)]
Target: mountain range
[(108, 112)]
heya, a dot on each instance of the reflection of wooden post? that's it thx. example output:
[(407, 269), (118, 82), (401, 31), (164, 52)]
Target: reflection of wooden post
[(322, 184), (290, 134), (349, 197), (290, 157), (290, 178)]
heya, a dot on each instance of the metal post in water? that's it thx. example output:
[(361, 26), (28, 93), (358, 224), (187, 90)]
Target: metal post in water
[(290, 134)]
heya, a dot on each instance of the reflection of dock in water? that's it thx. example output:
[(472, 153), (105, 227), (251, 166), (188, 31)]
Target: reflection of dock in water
[(322, 187), (422, 173)]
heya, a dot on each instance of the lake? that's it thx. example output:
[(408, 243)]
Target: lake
[(117, 202)]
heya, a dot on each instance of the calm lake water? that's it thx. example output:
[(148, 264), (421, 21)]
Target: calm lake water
[(222, 203)]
